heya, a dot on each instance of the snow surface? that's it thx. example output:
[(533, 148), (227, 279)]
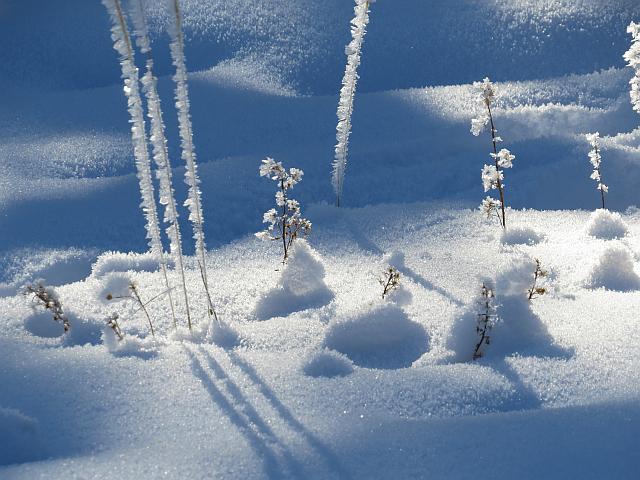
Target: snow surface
[(346, 385)]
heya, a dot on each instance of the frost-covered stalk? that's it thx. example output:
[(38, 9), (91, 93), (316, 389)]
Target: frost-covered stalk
[(347, 93), (193, 202), (632, 57), (486, 319), (390, 281), (160, 152), (122, 44), (287, 224), (492, 176), (596, 160)]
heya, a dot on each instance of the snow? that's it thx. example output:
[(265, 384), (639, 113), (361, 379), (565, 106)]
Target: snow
[(309, 373), (614, 270), (300, 285), (378, 336), (606, 225), (327, 363)]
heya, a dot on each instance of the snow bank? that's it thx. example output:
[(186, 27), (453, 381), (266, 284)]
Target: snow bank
[(378, 336), (300, 286), (614, 270), (606, 225), (519, 235), (19, 437), (327, 363)]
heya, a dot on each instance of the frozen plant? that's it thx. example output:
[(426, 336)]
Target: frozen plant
[(536, 290), (112, 323), (194, 201), (390, 281), (347, 94), (492, 175), (48, 298), (122, 44), (285, 222), (160, 155), (133, 292), (632, 57), (596, 160), (487, 318)]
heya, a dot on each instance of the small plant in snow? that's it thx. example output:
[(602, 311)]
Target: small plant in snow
[(285, 222), (48, 298), (347, 94), (390, 281), (632, 57), (487, 318), (596, 160), (492, 175), (536, 290), (132, 292), (112, 323)]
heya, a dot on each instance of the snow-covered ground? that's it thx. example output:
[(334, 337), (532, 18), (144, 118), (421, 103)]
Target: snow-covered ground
[(321, 378)]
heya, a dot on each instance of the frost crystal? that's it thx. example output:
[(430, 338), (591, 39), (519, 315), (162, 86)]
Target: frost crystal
[(485, 96), (632, 57), (347, 94)]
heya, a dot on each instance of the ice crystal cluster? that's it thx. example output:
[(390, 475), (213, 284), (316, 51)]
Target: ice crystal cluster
[(347, 93), (632, 57), (286, 222), (596, 160)]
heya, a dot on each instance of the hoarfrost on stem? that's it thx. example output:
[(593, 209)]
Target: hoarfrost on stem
[(347, 93), (492, 176), (595, 158), (160, 152), (193, 202), (632, 57), (122, 44)]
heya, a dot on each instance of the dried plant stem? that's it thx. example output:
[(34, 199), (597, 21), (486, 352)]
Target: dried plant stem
[(136, 296)]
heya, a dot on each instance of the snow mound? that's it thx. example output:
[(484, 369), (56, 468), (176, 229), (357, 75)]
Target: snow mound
[(327, 363), (114, 287), (606, 225), (518, 330), (380, 336), (520, 236), (129, 346), (224, 335), (614, 271), (19, 434), (124, 262), (42, 324), (300, 286)]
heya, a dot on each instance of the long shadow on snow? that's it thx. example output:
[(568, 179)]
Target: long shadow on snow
[(328, 456), (244, 416)]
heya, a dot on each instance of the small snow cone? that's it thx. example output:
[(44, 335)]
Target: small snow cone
[(301, 285)]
